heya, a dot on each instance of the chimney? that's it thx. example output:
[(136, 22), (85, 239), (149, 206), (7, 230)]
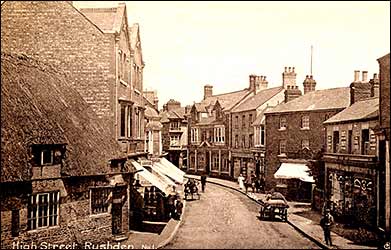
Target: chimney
[(309, 84), (208, 91), (359, 90), (292, 92), (289, 77), (172, 104), (374, 86), (356, 75), (252, 82), (364, 76), (264, 83)]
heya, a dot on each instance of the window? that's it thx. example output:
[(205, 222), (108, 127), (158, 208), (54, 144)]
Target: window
[(219, 134), (46, 157), (251, 141), (126, 120), (174, 125), (243, 141), (225, 165), (243, 121), (100, 199), (43, 210), (282, 123), (175, 140), (282, 147), (335, 141), (250, 119), (237, 121), (215, 163), (305, 122), (305, 144), (365, 147), (262, 135), (194, 135), (236, 141)]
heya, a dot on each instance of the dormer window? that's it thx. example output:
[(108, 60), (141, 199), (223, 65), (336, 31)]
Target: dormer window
[(46, 157), (47, 154)]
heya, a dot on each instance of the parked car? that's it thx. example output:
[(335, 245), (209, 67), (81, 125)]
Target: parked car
[(274, 205)]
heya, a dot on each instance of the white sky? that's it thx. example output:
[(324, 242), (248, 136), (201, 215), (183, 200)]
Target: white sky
[(187, 45)]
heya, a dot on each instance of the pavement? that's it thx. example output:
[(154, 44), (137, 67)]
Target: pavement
[(310, 229)]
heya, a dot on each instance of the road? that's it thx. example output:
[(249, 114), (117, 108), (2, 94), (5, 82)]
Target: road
[(224, 218)]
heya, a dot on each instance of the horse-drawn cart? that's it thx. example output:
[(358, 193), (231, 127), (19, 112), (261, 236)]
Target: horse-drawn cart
[(274, 205), (191, 188)]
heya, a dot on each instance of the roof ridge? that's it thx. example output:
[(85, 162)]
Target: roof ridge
[(230, 92)]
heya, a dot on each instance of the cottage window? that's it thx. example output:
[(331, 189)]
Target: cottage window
[(100, 199), (282, 123), (305, 122), (43, 210), (46, 157)]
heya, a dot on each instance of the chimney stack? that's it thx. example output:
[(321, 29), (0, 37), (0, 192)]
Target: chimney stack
[(208, 91), (309, 84), (359, 90), (374, 85), (292, 92), (364, 76), (252, 82), (289, 77)]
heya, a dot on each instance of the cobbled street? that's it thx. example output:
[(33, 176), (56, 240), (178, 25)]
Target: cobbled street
[(223, 218)]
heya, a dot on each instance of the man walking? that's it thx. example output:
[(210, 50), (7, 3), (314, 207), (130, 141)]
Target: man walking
[(326, 223), (203, 182)]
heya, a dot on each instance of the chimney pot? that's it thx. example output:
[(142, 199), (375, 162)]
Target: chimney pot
[(286, 68), (375, 76), (293, 69), (289, 69), (356, 75), (365, 76)]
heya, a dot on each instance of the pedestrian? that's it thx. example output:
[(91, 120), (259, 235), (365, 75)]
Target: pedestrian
[(247, 183), (203, 182), (178, 209), (326, 223), (241, 182)]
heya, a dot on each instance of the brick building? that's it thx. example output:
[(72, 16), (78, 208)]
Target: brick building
[(210, 134), (351, 165), (383, 134), (295, 132), (175, 133), (247, 127), (97, 48), (63, 176)]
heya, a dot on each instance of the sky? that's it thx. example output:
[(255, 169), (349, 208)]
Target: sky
[(187, 45)]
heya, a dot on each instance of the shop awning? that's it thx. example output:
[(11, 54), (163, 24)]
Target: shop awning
[(170, 170), (293, 171), (153, 179)]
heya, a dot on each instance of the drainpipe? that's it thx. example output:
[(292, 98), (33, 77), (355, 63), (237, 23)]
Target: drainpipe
[(116, 52)]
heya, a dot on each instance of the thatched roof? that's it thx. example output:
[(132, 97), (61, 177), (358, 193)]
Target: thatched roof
[(38, 106)]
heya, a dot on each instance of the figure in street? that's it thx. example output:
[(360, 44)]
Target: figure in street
[(203, 182), (241, 182), (326, 223)]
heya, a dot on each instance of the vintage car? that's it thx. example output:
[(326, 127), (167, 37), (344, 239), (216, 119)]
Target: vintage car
[(274, 204)]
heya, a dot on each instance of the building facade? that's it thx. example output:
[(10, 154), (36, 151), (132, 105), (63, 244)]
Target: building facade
[(383, 135), (351, 162), (175, 133), (248, 130), (295, 133), (63, 175), (97, 49)]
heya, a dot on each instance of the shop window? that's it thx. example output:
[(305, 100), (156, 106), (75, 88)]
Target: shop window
[(43, 210)]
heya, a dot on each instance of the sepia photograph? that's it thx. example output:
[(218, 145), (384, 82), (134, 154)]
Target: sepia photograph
[(195, 125)]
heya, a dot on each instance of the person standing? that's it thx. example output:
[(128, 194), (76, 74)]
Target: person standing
[(203, 182), (241, 182), (326, 223)]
